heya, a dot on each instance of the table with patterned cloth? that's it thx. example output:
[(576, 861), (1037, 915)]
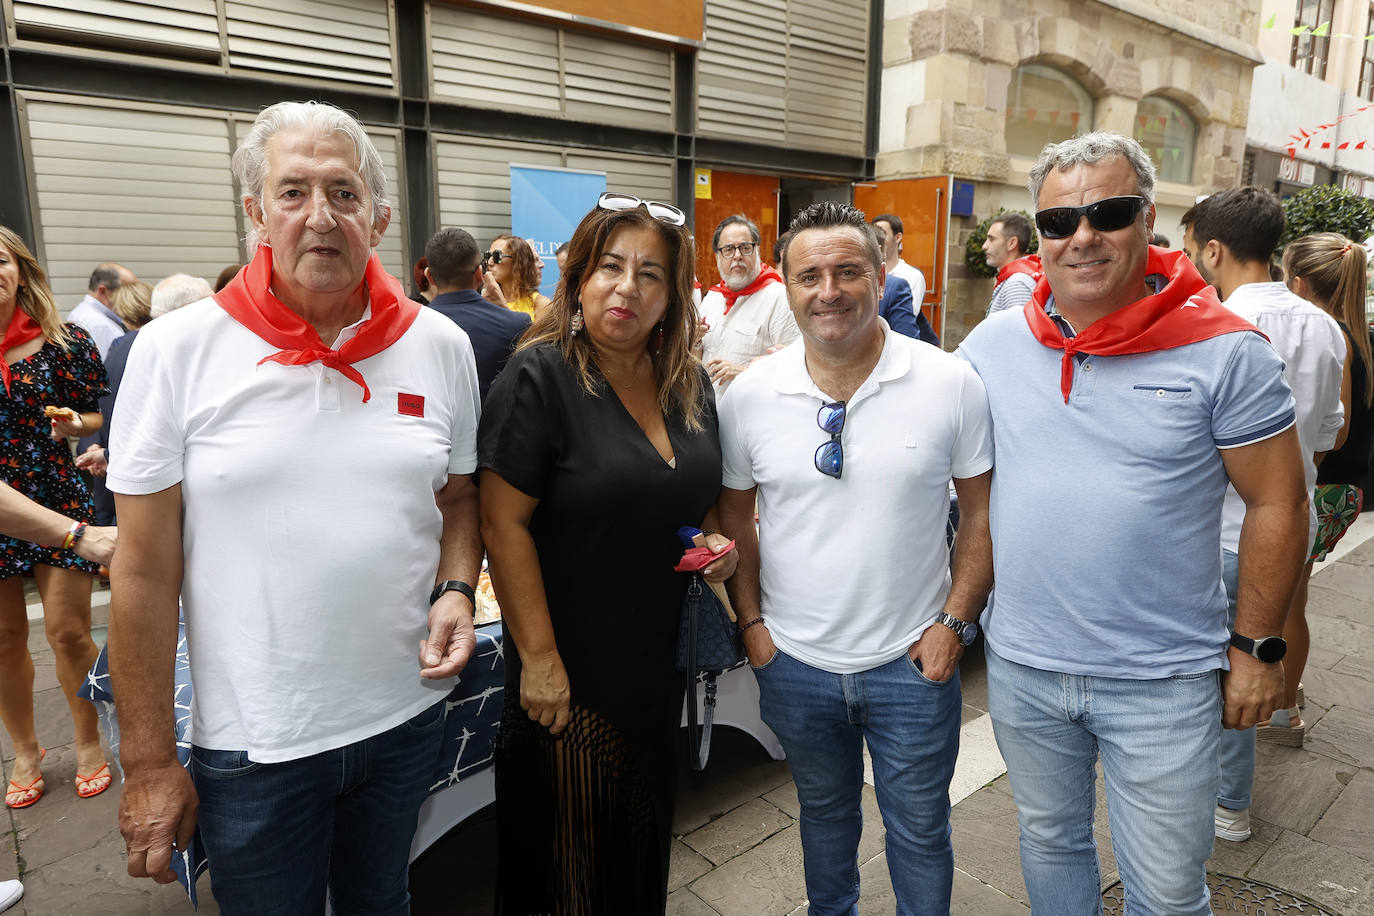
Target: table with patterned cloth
[(462, 782)]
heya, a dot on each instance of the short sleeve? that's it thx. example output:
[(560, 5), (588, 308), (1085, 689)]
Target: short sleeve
[(1253, 402), (467, 409), (79, 379), (148, 444), (519, 432), (782, 326), (738, 469), (973, 451)]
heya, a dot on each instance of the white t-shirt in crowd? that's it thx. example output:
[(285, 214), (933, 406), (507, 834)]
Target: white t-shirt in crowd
[(310, 529), (854, 570), (1312, 348), (913, 276), (755, 323)]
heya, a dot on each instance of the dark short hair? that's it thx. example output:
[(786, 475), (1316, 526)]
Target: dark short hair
[(106, 275), (737, 218), (453, 258), (829, 214), (1160, 240), (1248, 221), (779, 246), (894, 221), (1015, 226)]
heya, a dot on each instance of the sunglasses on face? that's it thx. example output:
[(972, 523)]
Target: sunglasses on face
[(830, 455), (664, 213), (1105, 216), (493, 257)]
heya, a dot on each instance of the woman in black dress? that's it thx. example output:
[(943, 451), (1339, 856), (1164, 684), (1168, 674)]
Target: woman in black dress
[(47, 364), (597, 442)]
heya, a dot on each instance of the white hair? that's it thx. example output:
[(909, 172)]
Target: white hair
[(173, 292), (250, 159), (1089, 149)]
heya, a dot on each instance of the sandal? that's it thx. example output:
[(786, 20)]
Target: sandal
[(83, 783), (1284, 728), (14, 795)]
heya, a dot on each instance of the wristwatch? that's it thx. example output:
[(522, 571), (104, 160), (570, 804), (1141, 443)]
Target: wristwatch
[(453, 585), (966, 630), (1268, 649)]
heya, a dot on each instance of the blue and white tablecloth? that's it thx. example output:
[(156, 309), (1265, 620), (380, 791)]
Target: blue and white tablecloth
[(473, 713)]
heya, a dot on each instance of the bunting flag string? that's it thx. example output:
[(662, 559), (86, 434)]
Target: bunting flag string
[(1321, 31), (1304, 137)]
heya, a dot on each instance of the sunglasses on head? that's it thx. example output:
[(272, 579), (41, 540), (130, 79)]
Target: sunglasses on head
[(664, 213), (830, 455), (1105, 216)]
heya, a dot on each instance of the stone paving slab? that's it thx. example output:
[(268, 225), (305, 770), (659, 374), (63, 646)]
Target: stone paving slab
[(1294, 787), (1349, 823), (737, 831), (1324, 874)]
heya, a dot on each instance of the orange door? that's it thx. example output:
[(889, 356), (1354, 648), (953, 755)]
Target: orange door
[(756, 196), (922, 204)]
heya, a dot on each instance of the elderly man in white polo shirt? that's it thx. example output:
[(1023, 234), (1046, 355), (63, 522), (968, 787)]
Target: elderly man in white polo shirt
[(298, 472), (845, 599)]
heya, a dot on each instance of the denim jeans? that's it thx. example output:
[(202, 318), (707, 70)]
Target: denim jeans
[(911, 725), (1237, 747), (278, 834), (1158, 743)]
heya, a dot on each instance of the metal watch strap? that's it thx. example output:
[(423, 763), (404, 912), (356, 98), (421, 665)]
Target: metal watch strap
[(453, 585), (954, 623)]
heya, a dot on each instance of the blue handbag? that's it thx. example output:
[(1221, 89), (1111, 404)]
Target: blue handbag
[(708, 644)]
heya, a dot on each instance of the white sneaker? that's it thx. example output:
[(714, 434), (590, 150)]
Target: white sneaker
[(10, 892), (1230, 824)]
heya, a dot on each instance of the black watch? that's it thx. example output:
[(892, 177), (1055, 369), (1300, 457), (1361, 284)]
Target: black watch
[(966, 630), (453, 585), (1268, 649)]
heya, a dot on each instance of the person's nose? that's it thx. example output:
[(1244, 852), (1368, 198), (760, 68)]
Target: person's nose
[(1084, 235), (320, 217)]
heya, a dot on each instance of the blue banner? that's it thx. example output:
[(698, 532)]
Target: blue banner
[(546, 204)]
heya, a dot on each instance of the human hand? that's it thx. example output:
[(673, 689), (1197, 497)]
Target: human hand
[(93, 460), (1250, 691), (452, 637), (699, 332), (758, 645), (545, 694), (723, 568), (66, 423), (97, 545), (937, 652), (157, 816), (722, 371), (491, 290)]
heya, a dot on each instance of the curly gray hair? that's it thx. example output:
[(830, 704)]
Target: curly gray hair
[(1089, 149), (250, 159)]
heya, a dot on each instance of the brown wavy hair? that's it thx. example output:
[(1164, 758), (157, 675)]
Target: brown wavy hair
[(34, 295), (522, 269), (1334, 268), (676, 369)]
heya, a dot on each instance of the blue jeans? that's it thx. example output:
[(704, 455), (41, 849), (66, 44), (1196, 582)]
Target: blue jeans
[(911, 725), (1237, 747), (1158, 744), (278, 834)]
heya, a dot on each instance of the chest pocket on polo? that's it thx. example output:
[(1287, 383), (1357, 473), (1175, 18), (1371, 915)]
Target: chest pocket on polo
[(1162, 420), (1165, 392)]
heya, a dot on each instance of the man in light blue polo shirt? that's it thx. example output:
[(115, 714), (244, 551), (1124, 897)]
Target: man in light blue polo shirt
[(1124, 396)]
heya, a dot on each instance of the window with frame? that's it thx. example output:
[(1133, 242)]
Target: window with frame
[(1312, 45), (1169, 134), (1367, 64), (1044, 105)]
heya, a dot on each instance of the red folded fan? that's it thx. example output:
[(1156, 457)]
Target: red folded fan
[(696, 558)]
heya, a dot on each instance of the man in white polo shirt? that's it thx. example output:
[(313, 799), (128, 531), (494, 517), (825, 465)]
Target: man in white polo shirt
[(845, 599), (298, 471)]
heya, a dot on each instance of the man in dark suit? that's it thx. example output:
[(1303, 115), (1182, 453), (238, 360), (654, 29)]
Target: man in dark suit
[(897, 306), (455, 270)]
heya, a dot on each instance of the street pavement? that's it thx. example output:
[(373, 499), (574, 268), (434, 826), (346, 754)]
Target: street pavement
[(737, 846)]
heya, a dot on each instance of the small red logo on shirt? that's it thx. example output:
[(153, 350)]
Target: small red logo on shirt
[(410, 405)]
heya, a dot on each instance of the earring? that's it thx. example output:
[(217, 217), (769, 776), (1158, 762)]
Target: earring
[(576, 322), (658, 339)]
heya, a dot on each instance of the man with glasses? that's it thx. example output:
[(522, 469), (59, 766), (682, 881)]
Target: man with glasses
[(1121, 405), (848, 441), (746, 313)]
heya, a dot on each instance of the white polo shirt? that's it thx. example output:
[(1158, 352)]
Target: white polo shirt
[(913, 276), (310, 530), (1312, 348), (755, 323), (855, 569)]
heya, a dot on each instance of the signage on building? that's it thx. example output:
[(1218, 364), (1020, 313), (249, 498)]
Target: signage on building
[(546, 204), (1295, 171)]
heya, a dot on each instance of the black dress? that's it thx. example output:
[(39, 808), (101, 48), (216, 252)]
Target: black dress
[(584, 820), (34, 463)]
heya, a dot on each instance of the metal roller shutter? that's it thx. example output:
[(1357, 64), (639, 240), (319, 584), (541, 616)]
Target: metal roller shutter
[(348, 40), (827, 75), (612, 81), (742, 71), (174, 28), (149, 188), (646, 177)]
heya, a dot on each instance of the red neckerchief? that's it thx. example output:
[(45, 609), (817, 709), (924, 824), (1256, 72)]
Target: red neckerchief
[(1029, 265), (22, 329), (1185, 311), (766, 276), (250, 302)]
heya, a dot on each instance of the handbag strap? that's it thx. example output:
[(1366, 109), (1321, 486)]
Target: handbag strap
[(699, 743)]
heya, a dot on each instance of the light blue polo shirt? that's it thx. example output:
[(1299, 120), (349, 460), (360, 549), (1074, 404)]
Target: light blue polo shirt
[(1106, 511)]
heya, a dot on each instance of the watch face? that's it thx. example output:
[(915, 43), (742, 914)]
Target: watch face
[(970, 634), (1271, 649)]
